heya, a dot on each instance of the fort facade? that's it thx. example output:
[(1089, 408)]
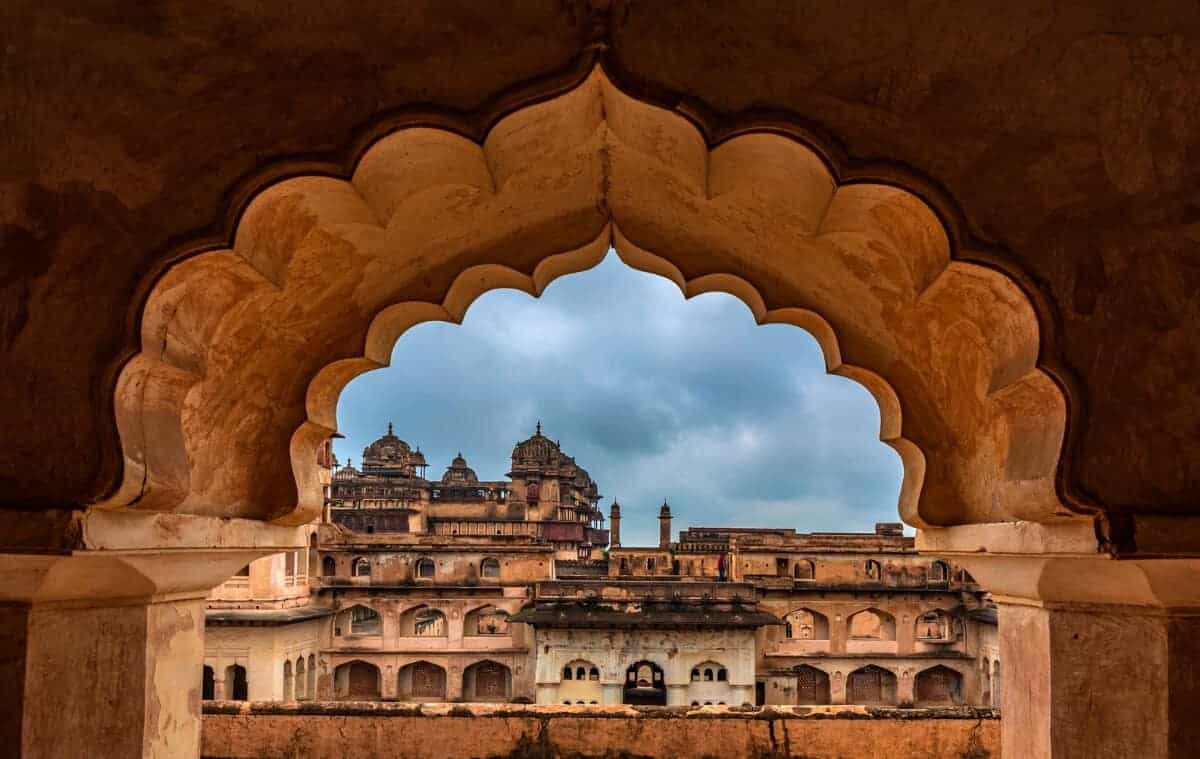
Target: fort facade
[(466, 590)]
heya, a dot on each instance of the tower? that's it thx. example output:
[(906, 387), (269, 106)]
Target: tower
[(664, 526), (614, 518)]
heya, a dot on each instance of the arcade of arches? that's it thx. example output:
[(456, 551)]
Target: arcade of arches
[(988, 222)]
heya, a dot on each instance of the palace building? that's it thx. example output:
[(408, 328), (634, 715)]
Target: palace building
[(461, 589)]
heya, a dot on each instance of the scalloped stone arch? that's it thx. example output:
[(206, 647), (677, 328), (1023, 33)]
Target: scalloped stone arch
[(245, 350)]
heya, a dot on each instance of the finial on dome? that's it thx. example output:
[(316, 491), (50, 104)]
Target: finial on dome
[(539, 427), (389, 428)]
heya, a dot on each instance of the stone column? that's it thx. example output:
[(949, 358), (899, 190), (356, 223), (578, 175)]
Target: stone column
[(1100, 655), (102, 641)]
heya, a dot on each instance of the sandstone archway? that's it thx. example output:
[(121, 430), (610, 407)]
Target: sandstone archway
[(245, 349)]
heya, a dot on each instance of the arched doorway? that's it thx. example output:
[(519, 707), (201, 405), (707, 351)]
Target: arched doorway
[(938, 685), (422, 681), (487, 681), (357, 681), (876, 229), (644, 685), (871, 685), (812, 685)]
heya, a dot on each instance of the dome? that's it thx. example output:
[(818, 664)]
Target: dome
[(346, 472), (536, 451), (392, 454), (459, 473)]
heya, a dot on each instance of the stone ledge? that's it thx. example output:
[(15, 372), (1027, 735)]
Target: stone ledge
[(543, 711)]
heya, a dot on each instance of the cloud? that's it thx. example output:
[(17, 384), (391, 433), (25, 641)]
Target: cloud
[(659, 398)]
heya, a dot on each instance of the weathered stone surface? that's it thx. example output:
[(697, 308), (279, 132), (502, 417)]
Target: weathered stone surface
[(1064, 135), (401, 731)]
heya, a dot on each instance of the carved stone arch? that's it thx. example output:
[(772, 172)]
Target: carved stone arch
[(325, 274)]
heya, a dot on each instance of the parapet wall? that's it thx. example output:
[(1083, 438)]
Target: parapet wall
[(370, 730)]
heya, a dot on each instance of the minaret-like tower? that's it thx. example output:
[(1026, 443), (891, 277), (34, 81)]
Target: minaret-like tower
[(614, 518), (664, 526)]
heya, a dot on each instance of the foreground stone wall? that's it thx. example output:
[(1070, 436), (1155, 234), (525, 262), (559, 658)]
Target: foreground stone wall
[(362, 730)]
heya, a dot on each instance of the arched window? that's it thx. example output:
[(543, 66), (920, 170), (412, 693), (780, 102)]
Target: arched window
[(568, 674), (364, 621), (328, 567), (311, 687), (935, 626), (580, 673), (423, 622), (708, 675), (426, 569), (695, 674), (489, 568), (208, 684), (362, 567), (288, 681), (301, 680), (939, 571), (874, 572), (722, 675), (594, 674), (872, 624), (236, 688), (487, 620), (803, 570), (806, 624)]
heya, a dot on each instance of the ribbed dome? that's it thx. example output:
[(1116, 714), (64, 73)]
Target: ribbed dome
[(459, 473), (391, 453), (536, 450)]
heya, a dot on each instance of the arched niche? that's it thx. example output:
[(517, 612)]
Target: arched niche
[(422, 681), (324, 274), (806, 624), (357, 681), (871, 625)]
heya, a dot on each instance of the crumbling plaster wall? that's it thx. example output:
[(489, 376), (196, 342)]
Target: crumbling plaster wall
[(397, 731)]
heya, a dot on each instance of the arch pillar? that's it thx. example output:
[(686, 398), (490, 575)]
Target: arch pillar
[(102, 637), (1100, 654)]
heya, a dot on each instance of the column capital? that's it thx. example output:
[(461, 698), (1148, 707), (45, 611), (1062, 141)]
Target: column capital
[(110, 557)]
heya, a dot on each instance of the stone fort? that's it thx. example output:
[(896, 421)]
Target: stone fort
[(514, 591)]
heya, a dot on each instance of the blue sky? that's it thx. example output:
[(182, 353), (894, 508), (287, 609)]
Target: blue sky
[(656, 396)]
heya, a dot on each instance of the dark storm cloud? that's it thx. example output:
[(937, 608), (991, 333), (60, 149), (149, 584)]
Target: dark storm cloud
[(656, 396)]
